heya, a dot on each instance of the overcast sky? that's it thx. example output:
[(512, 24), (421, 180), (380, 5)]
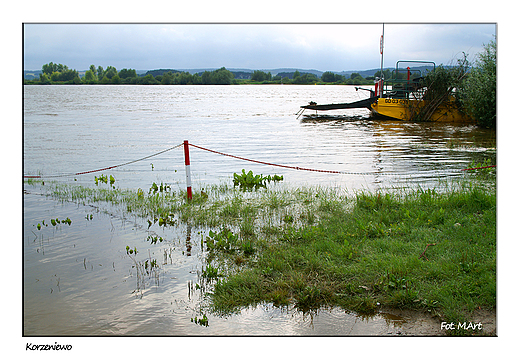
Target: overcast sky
[(334, 47)]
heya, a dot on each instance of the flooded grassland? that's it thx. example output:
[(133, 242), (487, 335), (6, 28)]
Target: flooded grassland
[(299, 251), (401, 243)]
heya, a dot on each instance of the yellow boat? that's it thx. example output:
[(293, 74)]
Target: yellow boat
[(401, 98), (405, 109)]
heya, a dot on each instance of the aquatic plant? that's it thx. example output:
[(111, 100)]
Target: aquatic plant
[(154, 238), (148, 268), (54, 222), (210, 272), (102, 178), (156, 188), (105, 179), (483, 169), (150, 265), (250, 181), (131, 251), (224, 240), (202, 321), (140, 194)]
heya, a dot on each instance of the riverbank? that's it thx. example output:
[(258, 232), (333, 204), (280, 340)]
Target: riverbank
[(427, 251), (423, 250)]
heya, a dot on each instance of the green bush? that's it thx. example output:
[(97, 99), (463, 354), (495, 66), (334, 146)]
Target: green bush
[(480, 87)]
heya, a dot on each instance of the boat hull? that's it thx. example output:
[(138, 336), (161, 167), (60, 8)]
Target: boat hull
[(402, 109), (365, 103)]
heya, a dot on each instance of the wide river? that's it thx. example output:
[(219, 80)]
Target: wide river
[(78, 279)]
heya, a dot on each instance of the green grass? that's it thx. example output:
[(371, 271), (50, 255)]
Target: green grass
[(370, 252), (420, 249)]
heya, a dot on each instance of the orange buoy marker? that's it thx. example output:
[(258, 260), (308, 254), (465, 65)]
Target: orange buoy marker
[(187, 163)]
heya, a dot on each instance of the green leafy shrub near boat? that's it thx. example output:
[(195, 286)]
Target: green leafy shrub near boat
[(480, 87), (474, 88)]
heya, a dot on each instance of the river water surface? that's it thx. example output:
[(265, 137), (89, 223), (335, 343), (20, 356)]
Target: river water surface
[(78, 278)]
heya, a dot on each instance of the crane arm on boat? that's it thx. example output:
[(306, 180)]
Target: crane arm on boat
[(365, 103)]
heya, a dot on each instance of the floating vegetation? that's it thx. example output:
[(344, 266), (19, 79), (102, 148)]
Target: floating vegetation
[(156, 188), (54, 222), (224, 240), (147, 268), (202, 321), (211, 273), (251, 181), (104, 179), (163, 220), (131, 251), (154, 238)]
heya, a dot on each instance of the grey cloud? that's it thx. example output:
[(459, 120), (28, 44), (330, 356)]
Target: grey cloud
[(324, 47)]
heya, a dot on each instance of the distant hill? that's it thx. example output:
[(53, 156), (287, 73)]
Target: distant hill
[(363, 73), (155, 73), (240, 73), (31, 74), (371, 72), (275, 72)]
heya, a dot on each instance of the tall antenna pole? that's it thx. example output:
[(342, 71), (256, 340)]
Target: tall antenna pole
[(382, 46)]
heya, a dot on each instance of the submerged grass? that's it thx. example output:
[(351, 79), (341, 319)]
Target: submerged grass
[(311, 247)]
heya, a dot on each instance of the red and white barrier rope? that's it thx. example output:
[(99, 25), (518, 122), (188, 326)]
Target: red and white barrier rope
[(282, 166), (307, 169), (103, 169), (186, 145)]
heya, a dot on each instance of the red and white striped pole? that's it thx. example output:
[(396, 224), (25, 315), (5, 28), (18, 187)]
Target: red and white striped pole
[(187, 163)]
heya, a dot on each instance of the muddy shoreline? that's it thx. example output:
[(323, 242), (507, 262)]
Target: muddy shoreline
[(416, 323)]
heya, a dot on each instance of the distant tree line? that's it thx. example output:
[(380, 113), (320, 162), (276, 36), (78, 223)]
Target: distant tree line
[(58, 73), (61, 74)]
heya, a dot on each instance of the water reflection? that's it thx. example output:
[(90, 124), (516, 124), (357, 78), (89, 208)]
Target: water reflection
[(188, 239), (391, 153), (269, 320), (331, 119)]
